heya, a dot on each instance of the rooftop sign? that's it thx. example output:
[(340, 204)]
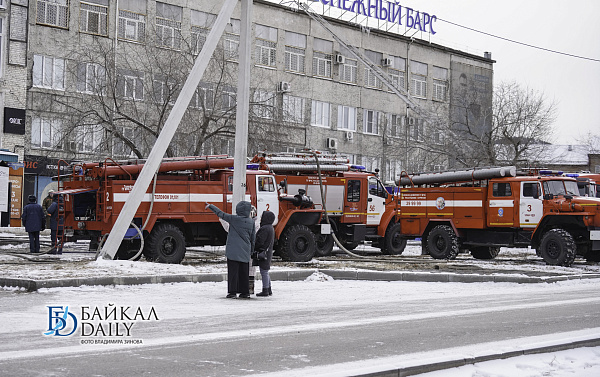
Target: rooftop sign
[(387, 11)]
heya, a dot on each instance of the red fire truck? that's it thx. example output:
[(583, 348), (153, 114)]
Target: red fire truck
[(357, 204), (172, 213), (482, 210)]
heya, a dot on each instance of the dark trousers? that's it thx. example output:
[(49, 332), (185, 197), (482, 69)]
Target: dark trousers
[(34, 242), (53, 234), (237, 277)]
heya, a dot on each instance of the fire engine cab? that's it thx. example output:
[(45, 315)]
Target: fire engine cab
[(482, 210)]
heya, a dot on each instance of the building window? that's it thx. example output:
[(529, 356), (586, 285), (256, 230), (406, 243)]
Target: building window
[(418, 79), (349, 71), (398, 72), (93, 19), (164, 91), (319, 115), (266, 46), (231, 40), (295, 52), (322, 58), (263, 104), (91, 78), (371, 122), (346, 118), (120, 147), (132, 26), (293, 109), (46, 133), (168, 25), (395, 127), (371, 80), (89, 138), (228, 98), (203, 98), (48, 72), (2, 32), (53, 13), (130, 85), (201, 24), (415, 129), (440, 84)]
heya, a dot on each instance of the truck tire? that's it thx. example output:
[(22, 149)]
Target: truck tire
[(393, 243), (324, 245), (442, 243), (558, 248), (166, 244), (485, 252), (297, 244)]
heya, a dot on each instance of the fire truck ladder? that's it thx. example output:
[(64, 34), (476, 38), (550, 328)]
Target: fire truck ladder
[(377, 71)]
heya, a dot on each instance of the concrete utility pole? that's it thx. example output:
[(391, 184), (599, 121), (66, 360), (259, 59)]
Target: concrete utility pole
[(243, 106), (115, 237)]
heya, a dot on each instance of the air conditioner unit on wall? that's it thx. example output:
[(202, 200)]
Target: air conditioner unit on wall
[(387, 62), (283, 87), (340, 59), (349, 135), (332, 143)]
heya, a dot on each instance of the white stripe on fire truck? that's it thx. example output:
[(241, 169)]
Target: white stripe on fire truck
[(449, 203), (502, 203), (173, 197)]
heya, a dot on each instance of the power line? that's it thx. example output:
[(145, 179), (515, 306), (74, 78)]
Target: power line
[(521, 43)]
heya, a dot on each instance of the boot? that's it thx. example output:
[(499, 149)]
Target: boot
[(251, 284), (264, 293), (270, 292)]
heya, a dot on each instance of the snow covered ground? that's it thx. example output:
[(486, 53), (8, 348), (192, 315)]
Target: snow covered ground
[(576, 362)]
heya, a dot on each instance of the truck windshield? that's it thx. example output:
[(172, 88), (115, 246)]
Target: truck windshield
[(560, 187)]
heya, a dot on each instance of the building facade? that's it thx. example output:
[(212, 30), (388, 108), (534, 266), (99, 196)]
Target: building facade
[(95, 79)]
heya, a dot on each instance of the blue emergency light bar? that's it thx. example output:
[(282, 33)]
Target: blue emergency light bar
[(358, 167), (572, 175)]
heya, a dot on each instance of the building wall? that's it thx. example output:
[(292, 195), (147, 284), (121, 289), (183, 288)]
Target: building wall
[(383, 149)]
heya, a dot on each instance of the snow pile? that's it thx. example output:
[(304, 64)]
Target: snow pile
[(319, 276)]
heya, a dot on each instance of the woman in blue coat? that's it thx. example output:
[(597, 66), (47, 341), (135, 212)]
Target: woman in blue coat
[(239, 246), (34, 221)]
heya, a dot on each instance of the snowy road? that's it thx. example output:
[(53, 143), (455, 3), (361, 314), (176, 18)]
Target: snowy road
[(307, 324)]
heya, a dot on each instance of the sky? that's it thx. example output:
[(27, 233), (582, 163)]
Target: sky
[(566, 26)]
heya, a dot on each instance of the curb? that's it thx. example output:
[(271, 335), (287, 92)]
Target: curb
[(32, 285), (459, 362)]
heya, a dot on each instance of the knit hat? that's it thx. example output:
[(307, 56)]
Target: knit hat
[(32, 199)]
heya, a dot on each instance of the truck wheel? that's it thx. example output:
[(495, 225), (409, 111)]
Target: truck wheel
[(442, 243), (485, 252), (393, 243), (324, 245), (166, 244), (558, 248), (297, 244)]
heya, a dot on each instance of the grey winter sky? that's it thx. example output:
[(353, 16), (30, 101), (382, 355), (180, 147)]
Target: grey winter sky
[(567, 26)]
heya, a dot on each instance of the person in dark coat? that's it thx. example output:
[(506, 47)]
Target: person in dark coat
[(34, 221), (54, 226), (263, 250), (239, 246)]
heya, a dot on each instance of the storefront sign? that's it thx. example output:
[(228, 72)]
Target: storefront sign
[(14, 121), (15, 177), (45, 166)]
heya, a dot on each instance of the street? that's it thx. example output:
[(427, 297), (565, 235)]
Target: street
[(311, 323)]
